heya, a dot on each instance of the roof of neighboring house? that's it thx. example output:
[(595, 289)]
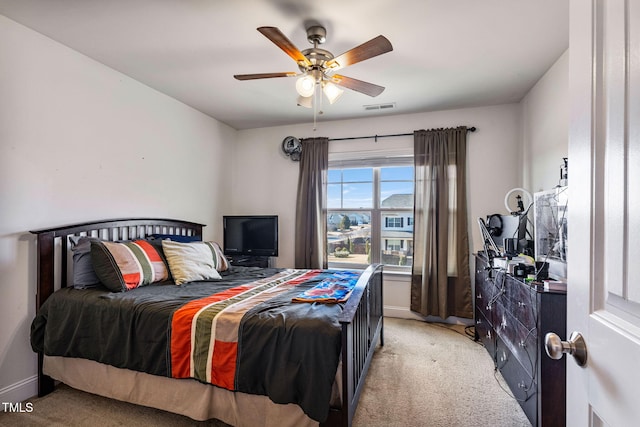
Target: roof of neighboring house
[(398, 201)]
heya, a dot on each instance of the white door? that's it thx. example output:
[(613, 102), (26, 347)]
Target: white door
[(604, 212)]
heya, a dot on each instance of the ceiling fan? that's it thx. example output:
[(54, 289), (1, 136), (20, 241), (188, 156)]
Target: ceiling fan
[(317, 66)]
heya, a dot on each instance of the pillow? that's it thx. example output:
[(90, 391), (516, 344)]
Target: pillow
[(222, 263), (127, 265), (84, 276), (176, 238), (193, 261)]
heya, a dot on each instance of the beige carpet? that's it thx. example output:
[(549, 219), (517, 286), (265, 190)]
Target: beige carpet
[(425, 375), (434, 375)]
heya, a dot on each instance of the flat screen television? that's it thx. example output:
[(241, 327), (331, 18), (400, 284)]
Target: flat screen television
[(255, 235)]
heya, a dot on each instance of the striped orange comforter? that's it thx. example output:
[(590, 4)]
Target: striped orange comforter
[(204, 337)]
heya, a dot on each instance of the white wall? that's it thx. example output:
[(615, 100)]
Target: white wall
[(81, 142), (545, 127)]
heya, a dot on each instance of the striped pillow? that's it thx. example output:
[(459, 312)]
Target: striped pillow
[(128, 265), (189, 262), (222, 264)]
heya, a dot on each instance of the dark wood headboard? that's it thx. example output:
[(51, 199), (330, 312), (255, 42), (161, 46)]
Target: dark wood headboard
[(53, 255), (53, 244)]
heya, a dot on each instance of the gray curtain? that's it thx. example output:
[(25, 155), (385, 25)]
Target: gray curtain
[(311, 217), (440, 277)]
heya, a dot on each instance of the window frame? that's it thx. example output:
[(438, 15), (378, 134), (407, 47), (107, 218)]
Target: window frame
[(376, 211)]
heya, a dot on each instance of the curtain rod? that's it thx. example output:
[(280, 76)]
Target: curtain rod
[(469, 129)]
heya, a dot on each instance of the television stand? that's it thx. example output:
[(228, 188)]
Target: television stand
[(249, 261)]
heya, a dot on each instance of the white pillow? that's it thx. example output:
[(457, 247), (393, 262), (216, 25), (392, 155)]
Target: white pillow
[(190, 261)]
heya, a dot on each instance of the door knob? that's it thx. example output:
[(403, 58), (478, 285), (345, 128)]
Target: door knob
[(576, 347)]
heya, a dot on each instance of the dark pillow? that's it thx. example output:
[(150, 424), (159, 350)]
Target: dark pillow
[(84, 276), (127, 265), (175, 238)]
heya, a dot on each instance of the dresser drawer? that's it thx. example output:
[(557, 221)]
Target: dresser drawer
[(522, 385), (521, 341), (520, 299), (485, 334), (485, 294)]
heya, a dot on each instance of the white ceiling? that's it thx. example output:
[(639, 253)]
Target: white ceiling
[(446, 53)]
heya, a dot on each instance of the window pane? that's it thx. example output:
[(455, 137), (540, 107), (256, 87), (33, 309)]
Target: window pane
[(334, 196), (396, 194), (357, 175), (353, 243), (357, 196), (349, 237), (334, 175), (404, 173), (396, 247), (396, 187)]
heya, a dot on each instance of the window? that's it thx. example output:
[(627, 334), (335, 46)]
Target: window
[(370, 213), (393, 222)]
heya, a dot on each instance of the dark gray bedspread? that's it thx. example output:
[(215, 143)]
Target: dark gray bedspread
[(289, 352)]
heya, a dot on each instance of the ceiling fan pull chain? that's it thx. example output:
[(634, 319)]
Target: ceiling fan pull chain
[(315, 105)]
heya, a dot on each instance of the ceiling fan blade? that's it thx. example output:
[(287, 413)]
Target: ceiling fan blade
[(280, 40), (263, 76), (374, 47), (357, 85)]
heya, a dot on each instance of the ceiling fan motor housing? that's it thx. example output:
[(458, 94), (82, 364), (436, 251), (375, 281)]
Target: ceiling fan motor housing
[(316, 35), (318, 57)]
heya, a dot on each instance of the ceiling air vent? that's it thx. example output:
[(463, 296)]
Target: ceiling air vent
[(386, 106)]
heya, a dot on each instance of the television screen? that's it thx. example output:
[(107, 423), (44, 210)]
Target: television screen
[(251, 235)]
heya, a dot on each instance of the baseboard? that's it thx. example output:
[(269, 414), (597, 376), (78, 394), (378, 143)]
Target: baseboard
[(400, 312), (20, 391), (405, 313)]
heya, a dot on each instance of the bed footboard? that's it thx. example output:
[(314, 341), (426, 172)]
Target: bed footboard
[(362, 327)]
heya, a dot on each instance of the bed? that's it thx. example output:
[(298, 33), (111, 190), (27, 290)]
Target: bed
[(259, 379)]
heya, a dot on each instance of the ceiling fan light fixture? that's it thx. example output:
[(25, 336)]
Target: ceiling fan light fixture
[(305, 101), (332, 91), (305, 86)]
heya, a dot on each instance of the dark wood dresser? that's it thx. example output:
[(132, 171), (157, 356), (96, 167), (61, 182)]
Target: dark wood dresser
[(512, 319)]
